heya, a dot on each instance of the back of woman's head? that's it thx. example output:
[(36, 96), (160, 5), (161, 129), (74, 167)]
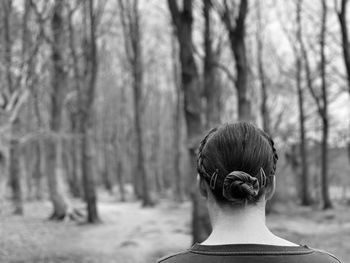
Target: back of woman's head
[(238, 161)]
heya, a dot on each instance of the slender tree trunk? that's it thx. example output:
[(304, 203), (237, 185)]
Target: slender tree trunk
[(325, 127), (120, 178), (38, 148), (7, 11), (178, 180), (342, 16), (86, 99), (212, 91), (14, 171), (305, 194), (192, 106), (238, 47), (244, 103), (130, 19), (141, 169), (58, 82), (75, 183), (37, 171), (261, 72), (88, 178), (106, 174)]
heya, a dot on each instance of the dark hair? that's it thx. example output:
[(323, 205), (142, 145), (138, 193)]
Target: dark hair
[(238, 162)]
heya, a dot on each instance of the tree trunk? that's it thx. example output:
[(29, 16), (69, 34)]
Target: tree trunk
[(58, 82), (178, 193), (237, 42), (345, 45), (7, 10), (37, 171), (60, 206), (14, 171), (120, 178), (261, 72), (305, 194), (75, 182), (345, 38), (141, 169), (325, 127), (75, 185), (86, 99), (192, 107), (106, 174), (88, 178), (130, 19), (212, 91)]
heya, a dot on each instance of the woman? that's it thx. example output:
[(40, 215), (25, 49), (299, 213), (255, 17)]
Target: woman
[(236, 174)]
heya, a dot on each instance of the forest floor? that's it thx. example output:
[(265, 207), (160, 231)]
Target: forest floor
[(130, 234)]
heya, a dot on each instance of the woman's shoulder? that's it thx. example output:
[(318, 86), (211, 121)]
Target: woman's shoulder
[(172, 257), (199, 254), (326, 256)]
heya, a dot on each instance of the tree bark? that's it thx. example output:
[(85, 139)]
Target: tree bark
[(325, 126), (261, 72), (58, 85), (86, 99), (120, 178), (182, 21), (37, 171), (345, 38), (178, 180), (7, 10), (212, 91), (14, 170), (14, 160), (74, 117), (345, 45), (305, 195), (236, 32), (106, 173), (130, 19)]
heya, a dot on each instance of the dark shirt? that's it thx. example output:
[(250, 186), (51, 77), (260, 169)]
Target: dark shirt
[(250, 253)]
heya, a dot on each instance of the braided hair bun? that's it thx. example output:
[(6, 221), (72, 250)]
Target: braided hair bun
[(238, 161), (240, 185)]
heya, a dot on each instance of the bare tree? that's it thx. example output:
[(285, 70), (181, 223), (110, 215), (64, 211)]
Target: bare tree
[(236, 32), (211, 88), (178, 181), (130, 18), (342, 17), (12, 94), (182, 20), (58, 87), (73, 108), (261, 72), (305, 194), (324, 111), (85, 102)]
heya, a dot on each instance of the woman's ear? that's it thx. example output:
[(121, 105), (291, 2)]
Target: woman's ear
[(202, 186), (271, 190)]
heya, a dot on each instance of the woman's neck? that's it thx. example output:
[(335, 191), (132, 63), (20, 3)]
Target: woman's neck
[(244, 225)]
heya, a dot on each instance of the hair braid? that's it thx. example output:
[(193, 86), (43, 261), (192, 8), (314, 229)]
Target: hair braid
[(274, 151), (200, 157), (275, 155)]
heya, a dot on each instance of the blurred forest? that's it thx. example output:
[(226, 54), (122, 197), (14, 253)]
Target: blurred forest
[(103, 103)]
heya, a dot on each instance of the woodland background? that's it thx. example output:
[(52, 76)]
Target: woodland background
[(103, 104)]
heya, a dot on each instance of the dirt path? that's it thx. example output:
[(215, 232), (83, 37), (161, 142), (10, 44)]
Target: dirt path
[(129, 234)]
